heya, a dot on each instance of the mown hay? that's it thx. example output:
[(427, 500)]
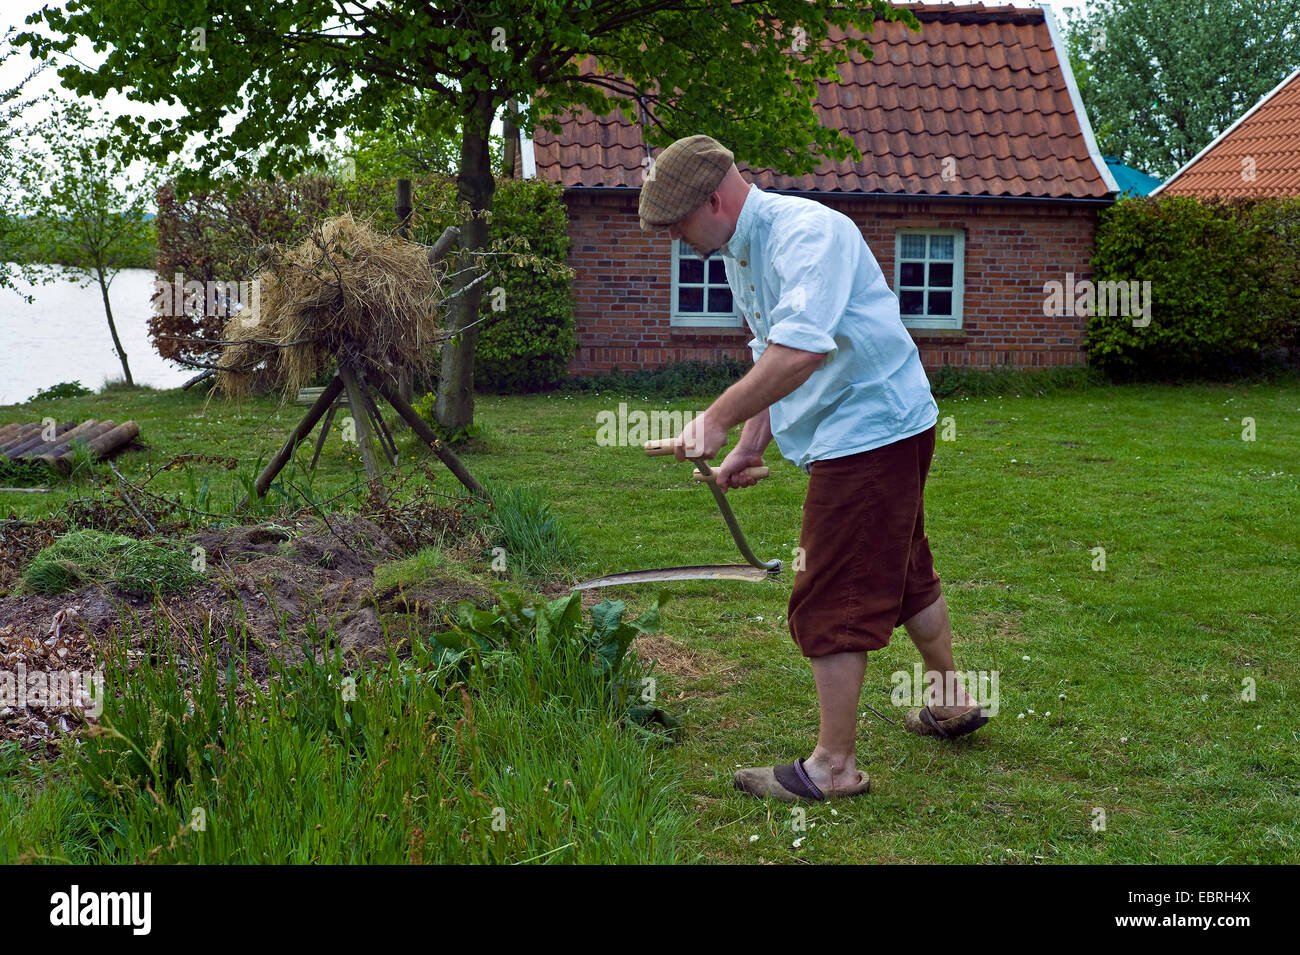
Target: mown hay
[(346, 290)]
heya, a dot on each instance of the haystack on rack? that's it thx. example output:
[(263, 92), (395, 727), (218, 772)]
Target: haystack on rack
[(368, 300)]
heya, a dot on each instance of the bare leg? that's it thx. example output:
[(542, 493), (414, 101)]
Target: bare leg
[(832, 764), (931, 631)]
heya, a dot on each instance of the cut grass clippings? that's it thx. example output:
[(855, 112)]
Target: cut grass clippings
[(85, 557)]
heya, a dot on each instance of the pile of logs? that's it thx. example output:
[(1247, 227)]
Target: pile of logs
[(32, 441)]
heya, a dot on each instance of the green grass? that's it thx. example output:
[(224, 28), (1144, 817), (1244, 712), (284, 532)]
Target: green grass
[(1199, 593), (416, 569)]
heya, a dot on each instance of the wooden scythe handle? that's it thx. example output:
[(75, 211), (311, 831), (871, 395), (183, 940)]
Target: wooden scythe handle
[(756, 473), (664, 446)]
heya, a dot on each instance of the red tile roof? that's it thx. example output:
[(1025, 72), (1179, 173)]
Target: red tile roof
[(1263, 144), (983, 85)]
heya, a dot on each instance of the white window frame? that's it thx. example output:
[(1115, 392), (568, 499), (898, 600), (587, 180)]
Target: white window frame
[(700, 319), (958, 277)]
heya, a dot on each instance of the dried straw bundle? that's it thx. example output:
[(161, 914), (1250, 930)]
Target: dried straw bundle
[(346, 290)]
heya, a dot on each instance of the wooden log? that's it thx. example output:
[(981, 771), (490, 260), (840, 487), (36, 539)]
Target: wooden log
[(450, 236), (64, 440), (307, 397), (24, 490), (36, 440), (12, 433), (403, 207), (103, 445), (381, 429), (201, 376), (421, 428), (23, 434), (300, 431), (9, 430), (107, 443), (51, 455)]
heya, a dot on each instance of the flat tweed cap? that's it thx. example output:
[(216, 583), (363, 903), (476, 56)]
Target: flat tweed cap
[(683, 177)]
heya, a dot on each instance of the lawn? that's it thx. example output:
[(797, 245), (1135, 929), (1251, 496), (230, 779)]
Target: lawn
[(1121, 689)]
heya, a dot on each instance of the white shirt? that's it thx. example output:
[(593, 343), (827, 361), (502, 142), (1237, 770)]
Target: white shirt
[(802, 276)]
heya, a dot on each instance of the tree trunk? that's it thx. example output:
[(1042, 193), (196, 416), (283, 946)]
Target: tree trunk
[(512, 138), (117, 342), (475, 185)]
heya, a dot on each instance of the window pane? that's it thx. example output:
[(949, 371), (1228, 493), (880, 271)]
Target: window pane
[(717, 271), (690, 270), (912, 273), (940, 303), (940, 275), (719, 299), (912, 303), (941, 247), (690, 300), (913, 246)]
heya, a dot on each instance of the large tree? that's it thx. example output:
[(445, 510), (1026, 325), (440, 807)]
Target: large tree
[(291, 72), (1161, 78)]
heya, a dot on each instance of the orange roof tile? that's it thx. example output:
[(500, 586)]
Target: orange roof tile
[(982, 85), (1256, 157)]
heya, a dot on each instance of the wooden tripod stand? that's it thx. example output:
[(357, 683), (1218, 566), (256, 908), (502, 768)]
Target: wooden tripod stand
[(372, 433)]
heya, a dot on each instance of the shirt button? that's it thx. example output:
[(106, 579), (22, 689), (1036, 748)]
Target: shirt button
[(751, 288), (758, 314), (743, 262)]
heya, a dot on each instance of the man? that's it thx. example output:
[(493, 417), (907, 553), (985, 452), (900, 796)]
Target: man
[(838, 383)]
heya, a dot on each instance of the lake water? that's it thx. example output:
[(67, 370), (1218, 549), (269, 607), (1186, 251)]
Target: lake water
[(63, 336)]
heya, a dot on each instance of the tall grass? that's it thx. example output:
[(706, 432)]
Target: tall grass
[(535, 541), (404, 761)]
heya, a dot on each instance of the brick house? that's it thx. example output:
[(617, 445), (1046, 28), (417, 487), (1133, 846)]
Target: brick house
[(980, 182)]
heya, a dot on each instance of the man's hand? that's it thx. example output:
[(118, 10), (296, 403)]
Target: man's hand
[(731, 472), (702, 438)]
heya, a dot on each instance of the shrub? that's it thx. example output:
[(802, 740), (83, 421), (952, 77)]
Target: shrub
[(64, 389), (1223, 282), (547, 643), (210, 235), (527, 345)]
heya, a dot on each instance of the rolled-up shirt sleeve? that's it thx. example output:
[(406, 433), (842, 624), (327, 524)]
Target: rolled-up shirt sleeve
[(816, 268)]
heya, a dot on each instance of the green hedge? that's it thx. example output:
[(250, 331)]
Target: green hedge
[(527, 345), (683, 379), (1225, 283)]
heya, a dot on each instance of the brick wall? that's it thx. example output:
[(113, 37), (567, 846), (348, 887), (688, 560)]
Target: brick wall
[(623, 282)]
